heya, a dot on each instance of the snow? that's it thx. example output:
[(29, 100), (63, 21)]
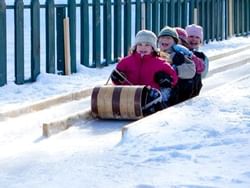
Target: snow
[(202, 143), (48, 85)]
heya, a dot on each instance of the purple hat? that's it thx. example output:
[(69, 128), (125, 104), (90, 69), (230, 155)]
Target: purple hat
[(182, 34)]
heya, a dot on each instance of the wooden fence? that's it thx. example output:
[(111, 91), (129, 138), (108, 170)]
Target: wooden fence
[(107, 29)]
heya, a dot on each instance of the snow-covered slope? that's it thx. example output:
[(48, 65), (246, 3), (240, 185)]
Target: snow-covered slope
[(203, 142)]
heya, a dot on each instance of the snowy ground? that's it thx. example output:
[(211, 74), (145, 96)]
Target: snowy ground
[(203, 143), (49, 85)]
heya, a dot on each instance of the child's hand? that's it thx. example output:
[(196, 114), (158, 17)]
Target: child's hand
[(163, 79), (117, 77), (183, 50), (200, 55), (178, 58)]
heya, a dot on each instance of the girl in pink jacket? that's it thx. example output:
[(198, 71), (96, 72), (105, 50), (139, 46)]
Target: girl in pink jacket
[(144, 66), (195, 39)]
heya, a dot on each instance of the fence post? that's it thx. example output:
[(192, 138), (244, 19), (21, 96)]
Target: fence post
[(171, 14), (138, 12), (19, 42), (195, 21), (184, 11), (60, 15), (67, 55), (107, 32), (85, 33), (127, 26), (155, 17), (247, 17), (202, 15), (237, 17), (96, 34), (143, 16), (191, 12), (227, 18), (230, 18), (208, 20), (178, 13), (212, 36), (3, 45), (72, 32), (117, 28), (50, 36), (35, 39), (234, 17), (243, 18), (218, 20), (207, 16), (198, 12), (163, 13), (148, 12)]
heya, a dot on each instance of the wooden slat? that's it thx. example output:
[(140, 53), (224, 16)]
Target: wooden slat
[(59, 125)]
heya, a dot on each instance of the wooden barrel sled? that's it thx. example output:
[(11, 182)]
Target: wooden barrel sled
[(120, 102)]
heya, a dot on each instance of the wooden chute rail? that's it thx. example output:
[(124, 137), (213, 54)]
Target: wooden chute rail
[(107, 102)]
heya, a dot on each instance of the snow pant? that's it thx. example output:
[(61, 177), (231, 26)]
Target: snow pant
[(197, 85), (185, 89), (152, 102), (181, 92)]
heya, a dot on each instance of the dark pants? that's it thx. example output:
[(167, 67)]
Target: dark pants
[(181, 92), (185, 89), (151, 101), (197, 85)]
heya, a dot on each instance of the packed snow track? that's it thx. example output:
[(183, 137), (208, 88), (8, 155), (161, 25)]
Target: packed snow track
[(93, 132)]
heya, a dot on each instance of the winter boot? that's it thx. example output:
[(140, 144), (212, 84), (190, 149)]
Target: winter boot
[(152, 102)]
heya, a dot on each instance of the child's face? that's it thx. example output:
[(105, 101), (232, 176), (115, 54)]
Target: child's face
[(165, 43), (144, 48), (194, 42)]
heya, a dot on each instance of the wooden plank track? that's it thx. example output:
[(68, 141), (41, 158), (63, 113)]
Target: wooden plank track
[(56, 126)]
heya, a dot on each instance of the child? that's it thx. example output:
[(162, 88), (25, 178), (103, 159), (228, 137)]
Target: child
[(182, 36), (195, 39), (144, 66), (199, 63), (168, 40)]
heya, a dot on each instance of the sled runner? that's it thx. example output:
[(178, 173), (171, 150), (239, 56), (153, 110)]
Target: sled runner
[(124, 102)]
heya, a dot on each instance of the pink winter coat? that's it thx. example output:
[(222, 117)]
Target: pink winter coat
[(141, 70), (199, 64)]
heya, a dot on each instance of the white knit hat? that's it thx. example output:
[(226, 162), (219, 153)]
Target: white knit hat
[(195, 30), (146, 36)]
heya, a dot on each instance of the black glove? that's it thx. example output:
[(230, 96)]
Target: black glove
[(200, 55), (163, 79), (117, 77), (178, 58)]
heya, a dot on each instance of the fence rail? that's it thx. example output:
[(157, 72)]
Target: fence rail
[(107, 29)]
